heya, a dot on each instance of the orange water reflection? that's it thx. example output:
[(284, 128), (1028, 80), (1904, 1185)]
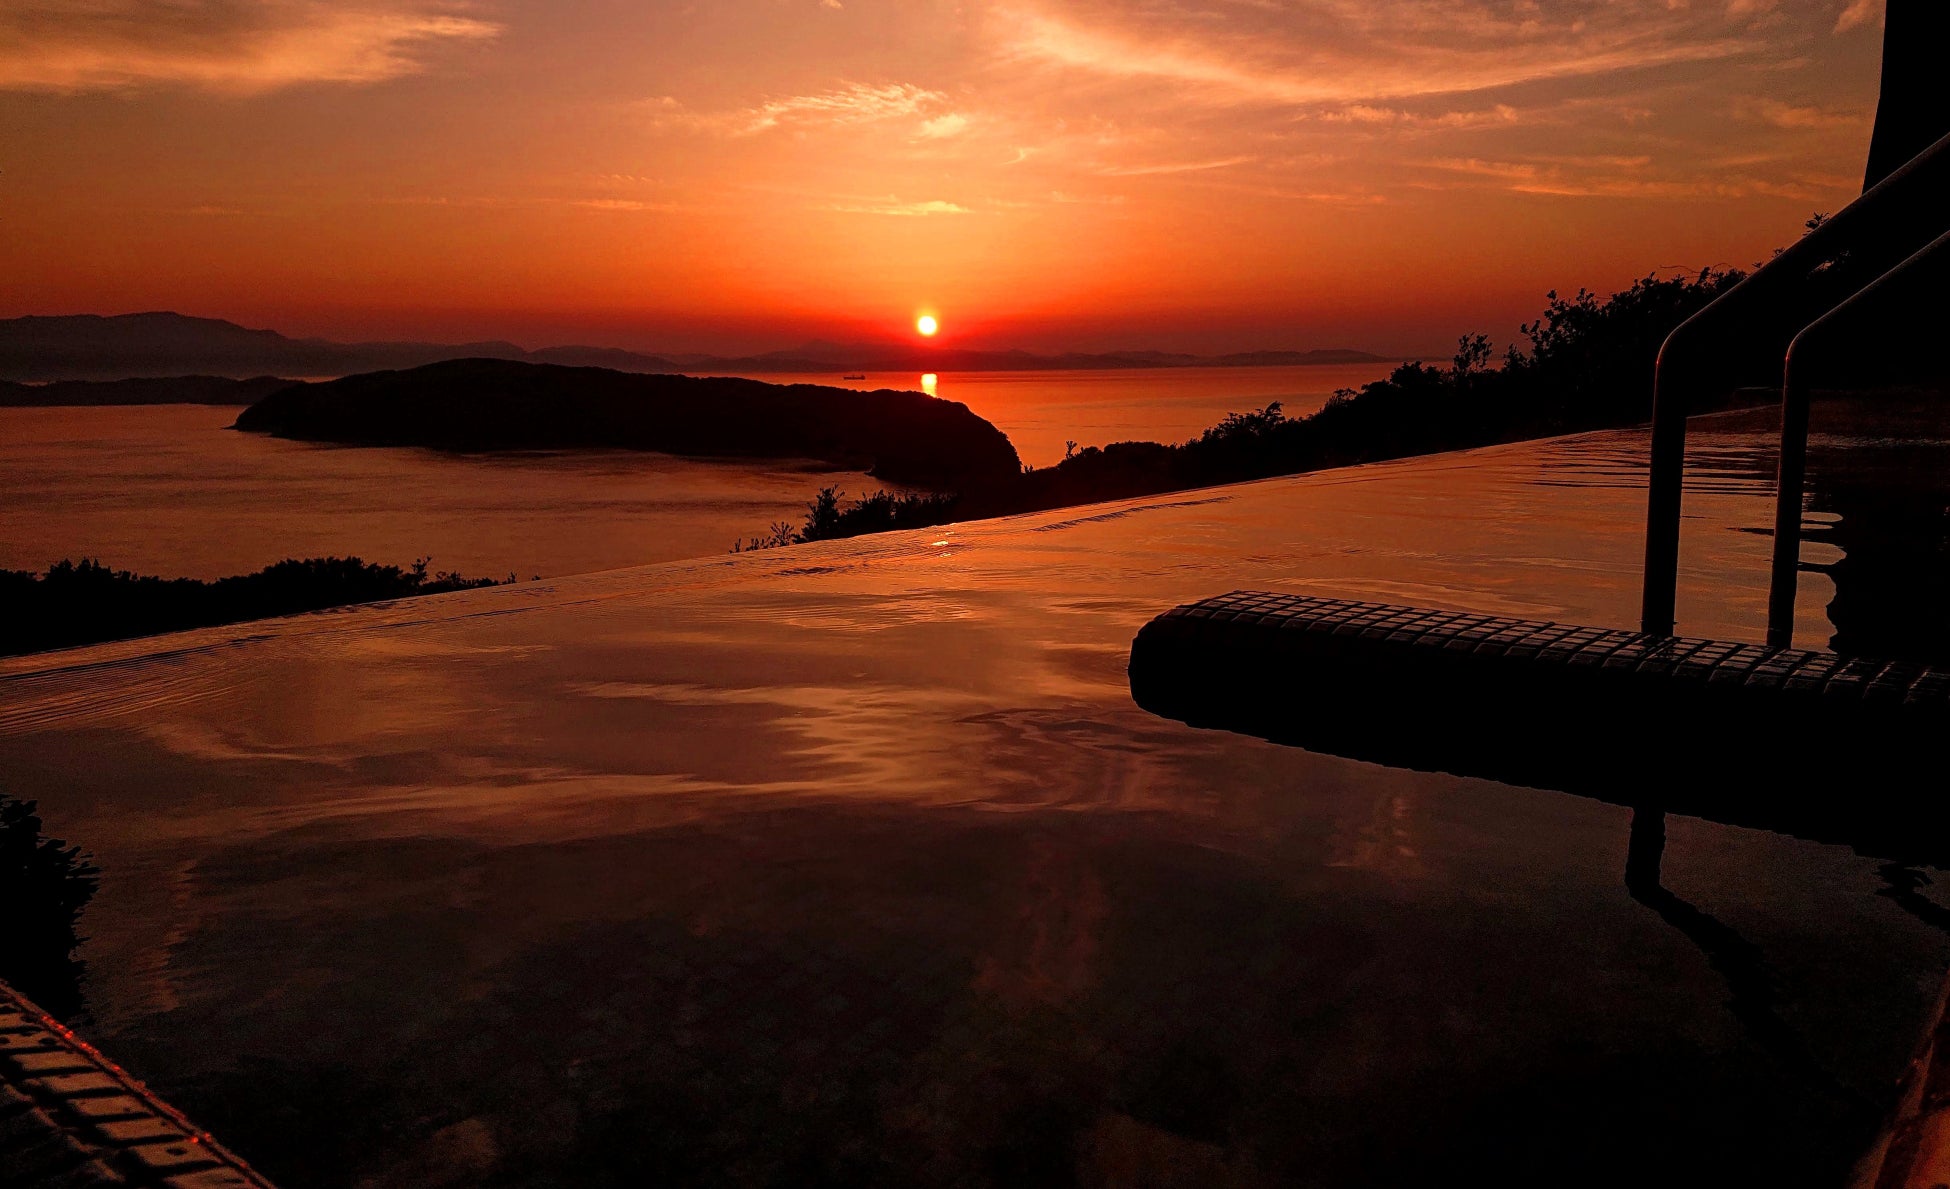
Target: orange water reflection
[(859, 857), (171, 490), (1040, 411)]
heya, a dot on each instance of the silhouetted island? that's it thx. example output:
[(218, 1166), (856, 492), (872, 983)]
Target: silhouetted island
[(171, 390), (491, 404)]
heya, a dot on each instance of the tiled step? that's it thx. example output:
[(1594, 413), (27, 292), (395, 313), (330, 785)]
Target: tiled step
[(70, 1118)]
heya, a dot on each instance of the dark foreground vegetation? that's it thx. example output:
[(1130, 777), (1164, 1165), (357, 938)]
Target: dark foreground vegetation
[(85, 602), (1586, 364), (44, 883)]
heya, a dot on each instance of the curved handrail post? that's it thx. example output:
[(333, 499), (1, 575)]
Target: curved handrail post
[(1793, 470), (1666, 482), (1783, 571), (1928, 174), (1796, 397)]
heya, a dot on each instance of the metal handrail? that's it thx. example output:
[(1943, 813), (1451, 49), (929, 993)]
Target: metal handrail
[(1894, 207), (1796, 395)]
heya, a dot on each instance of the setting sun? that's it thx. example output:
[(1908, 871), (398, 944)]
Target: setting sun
[(926, 324)]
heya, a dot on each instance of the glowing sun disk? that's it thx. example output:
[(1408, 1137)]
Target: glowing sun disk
[(926, 324)]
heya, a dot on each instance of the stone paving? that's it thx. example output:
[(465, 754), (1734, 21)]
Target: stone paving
[(72, 1119)]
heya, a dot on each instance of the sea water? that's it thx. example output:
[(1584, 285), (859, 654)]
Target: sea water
[(171, 490)]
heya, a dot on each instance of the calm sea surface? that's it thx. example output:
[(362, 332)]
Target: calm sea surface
[(1041, 411), (171, 490)]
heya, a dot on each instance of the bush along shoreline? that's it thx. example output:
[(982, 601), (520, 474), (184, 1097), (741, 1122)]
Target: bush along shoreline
[(45, 883), (1586, 363), (86, 602)]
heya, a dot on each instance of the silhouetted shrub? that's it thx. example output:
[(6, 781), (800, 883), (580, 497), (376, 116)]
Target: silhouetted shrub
[(1590, 361), (44, 884), (85, 602), (827, 519)]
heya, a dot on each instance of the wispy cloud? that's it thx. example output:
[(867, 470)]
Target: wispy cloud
[(941, 127), (621, 204), (528, 201), (893, 206), (850, 104), (1794, 116), (1612, 177), (853, 104), (1373, 50), (1500, 115), (1513, 171), (1859, 12), (222, 45), (1600, 161), (1134, 171)]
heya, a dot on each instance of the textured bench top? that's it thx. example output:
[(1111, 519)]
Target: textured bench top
[(69, 1117), (1825, 747), (1300, 625)]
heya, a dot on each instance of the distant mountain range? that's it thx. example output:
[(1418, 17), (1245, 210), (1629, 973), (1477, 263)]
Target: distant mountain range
[(93, 347)]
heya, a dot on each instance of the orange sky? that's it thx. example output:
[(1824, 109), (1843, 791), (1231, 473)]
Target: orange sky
[(739, 174)]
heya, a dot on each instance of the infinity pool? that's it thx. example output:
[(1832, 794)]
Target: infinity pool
[(856, 864)]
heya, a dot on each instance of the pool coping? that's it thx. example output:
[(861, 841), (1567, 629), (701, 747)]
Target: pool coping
[(71, 1117)]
